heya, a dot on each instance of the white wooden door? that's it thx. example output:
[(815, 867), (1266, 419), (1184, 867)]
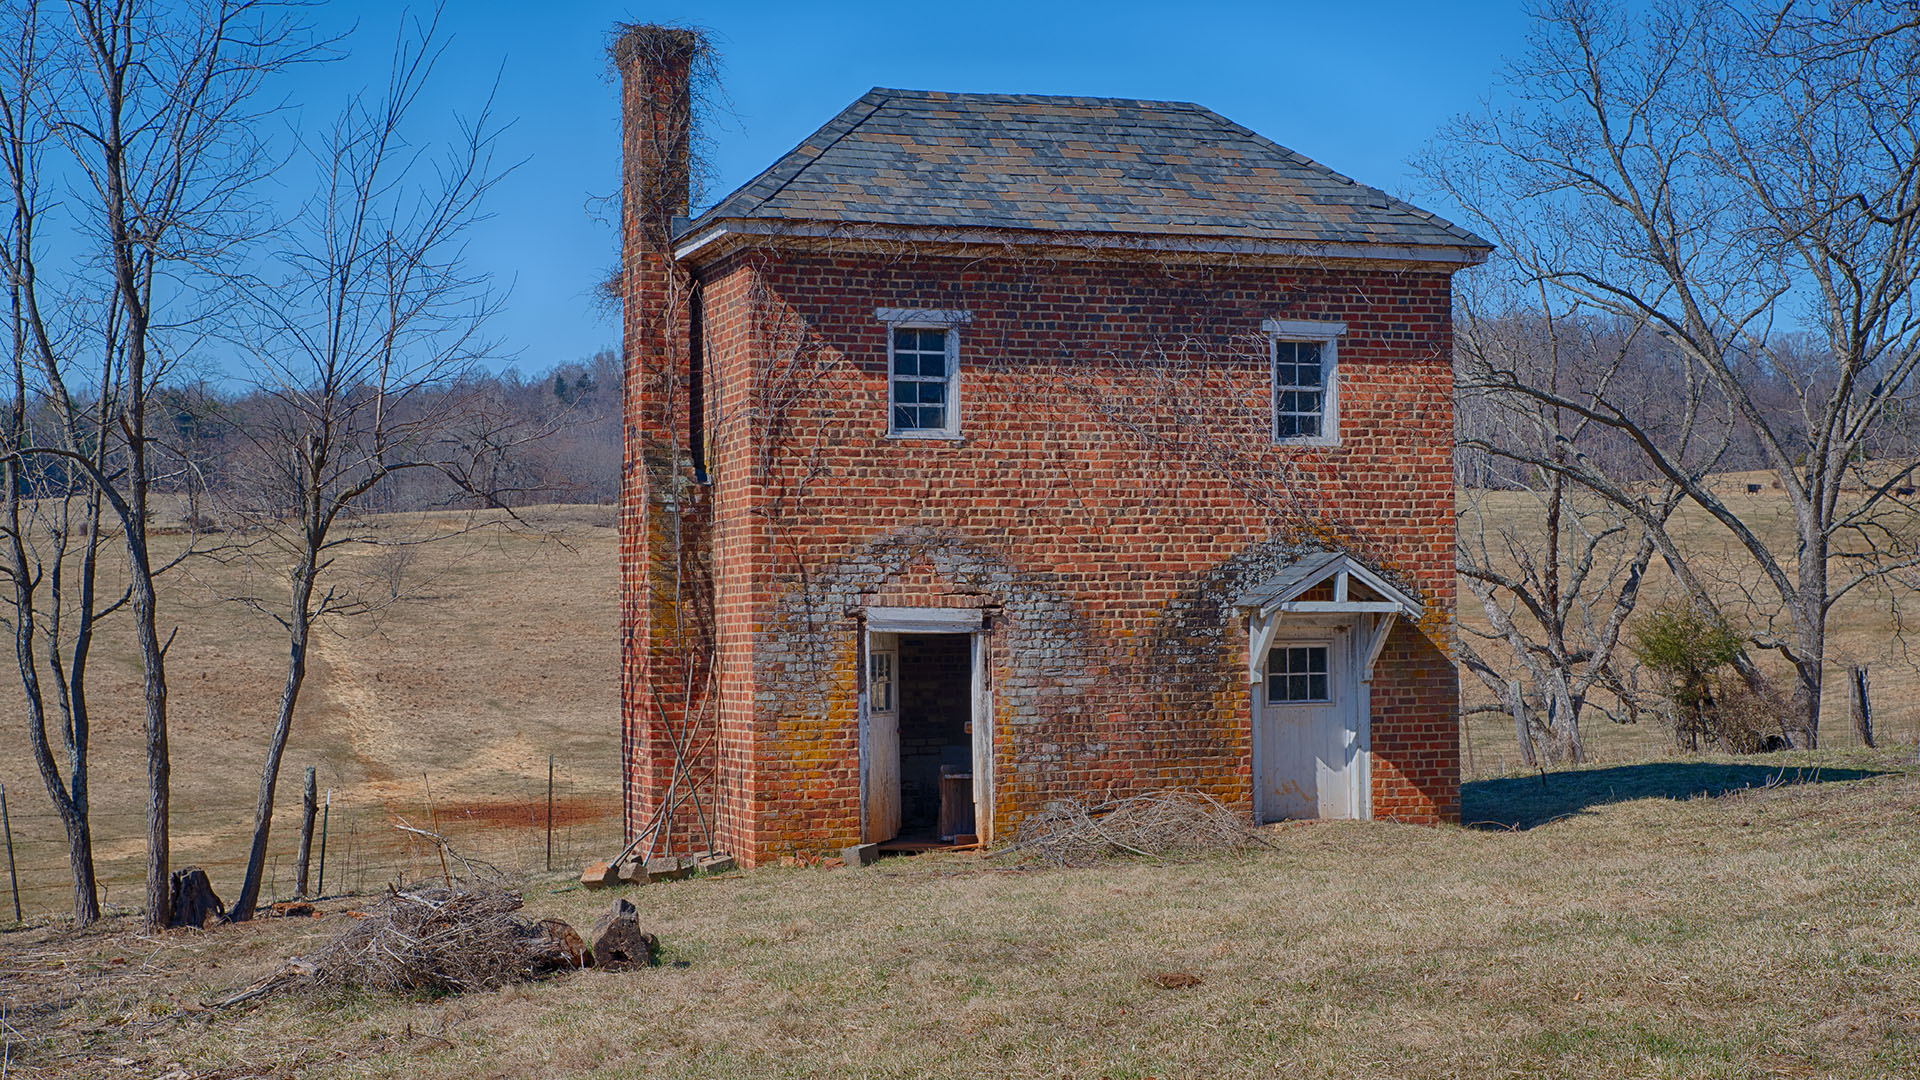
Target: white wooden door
[(1309, 741), (883, 737)]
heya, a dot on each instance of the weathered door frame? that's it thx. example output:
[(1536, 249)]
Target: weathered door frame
[(968, 621), (1350, 702)]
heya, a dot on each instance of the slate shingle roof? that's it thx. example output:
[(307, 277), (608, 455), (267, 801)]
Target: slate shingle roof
[(916, 158)]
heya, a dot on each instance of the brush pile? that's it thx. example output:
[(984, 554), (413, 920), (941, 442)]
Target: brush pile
[(1155, 825), (432, 940), (437, 940)]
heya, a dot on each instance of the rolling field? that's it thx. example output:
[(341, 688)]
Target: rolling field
[(1651, 914), (502, 649)]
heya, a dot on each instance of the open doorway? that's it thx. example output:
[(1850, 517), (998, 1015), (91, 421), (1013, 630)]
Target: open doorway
[(920, 745)]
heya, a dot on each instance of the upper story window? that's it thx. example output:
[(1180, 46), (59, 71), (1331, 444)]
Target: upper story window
[(923, 371), (1306, 388)]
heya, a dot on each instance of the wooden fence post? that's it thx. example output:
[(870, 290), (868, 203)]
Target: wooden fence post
[(1862, 705), (13, 875), (549, 813), (309, 806), (1520, 731), (326, 811)]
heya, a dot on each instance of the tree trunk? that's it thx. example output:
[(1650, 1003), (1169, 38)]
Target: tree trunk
[(302, 620), (1811, 640), (159, 769)]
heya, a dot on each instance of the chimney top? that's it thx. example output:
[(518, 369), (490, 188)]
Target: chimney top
[(653, 45)]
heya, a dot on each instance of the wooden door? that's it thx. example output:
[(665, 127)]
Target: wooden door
[(1309, 743), (882, 761)]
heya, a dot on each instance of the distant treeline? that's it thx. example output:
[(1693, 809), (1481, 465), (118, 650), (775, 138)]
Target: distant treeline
[(517, 439)]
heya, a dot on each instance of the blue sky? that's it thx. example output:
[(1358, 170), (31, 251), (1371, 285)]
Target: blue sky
[(1358, 86)]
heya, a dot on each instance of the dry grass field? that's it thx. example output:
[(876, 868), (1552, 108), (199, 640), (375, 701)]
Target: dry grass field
[(1651, 915), (501, 650), (1866, 629), (1617, 928)]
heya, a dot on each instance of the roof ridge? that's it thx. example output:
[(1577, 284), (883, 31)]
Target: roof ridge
[(1035, 99), (1058, 163), (1392, 202)]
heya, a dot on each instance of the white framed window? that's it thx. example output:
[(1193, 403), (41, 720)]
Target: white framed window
[(1297, 675), (1305, 373), (923, 372)]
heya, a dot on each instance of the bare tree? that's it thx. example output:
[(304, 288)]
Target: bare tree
[(1556, 570), (51, 553), (357, 347), (1730, 176), (145, 114)]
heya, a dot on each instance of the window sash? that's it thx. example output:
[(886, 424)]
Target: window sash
[(920, 377), (1299, 674), (1303, 373)]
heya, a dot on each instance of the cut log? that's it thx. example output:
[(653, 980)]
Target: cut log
[(194, 903), (617, 940), (554, 945)]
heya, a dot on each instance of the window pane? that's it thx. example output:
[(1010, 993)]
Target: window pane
[(933, 393), (1283, 351), (903, 418), (932, 417), (1307, 352), (1306, 375), (1317, 687), (1276, 687), (1316, 659), (1307, 427), (1296, 688)]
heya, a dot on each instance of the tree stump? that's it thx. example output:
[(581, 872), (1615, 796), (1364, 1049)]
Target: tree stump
[(553, 945), (617, 940), (194, 902)]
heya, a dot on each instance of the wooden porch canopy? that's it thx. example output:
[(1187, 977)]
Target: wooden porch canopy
[(1355, 590)]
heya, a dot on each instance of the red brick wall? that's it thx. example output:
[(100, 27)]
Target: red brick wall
[(1113, 490)]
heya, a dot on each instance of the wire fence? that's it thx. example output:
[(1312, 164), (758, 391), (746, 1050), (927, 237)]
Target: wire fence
[(357, 845)]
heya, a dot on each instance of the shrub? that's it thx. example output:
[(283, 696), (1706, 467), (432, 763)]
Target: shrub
[(1687, 648)]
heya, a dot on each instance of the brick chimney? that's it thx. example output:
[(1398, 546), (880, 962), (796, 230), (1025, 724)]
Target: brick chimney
[(665, 580)]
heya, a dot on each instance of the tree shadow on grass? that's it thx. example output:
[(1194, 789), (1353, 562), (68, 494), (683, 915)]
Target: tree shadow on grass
[(1523, 802)]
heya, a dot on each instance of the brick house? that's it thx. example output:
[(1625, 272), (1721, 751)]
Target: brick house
[(987, 450)]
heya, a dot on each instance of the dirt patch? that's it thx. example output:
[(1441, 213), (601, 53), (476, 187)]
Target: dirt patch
[(508, 814)]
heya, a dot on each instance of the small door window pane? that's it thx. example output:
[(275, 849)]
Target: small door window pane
[(1298, 673)]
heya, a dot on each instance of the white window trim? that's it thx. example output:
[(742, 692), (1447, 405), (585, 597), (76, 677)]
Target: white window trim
[(927, 319), (1266, 687), (1325, 334)]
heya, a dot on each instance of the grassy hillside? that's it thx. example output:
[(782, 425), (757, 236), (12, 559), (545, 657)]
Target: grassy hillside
[(501, 649), (1656, 920)]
